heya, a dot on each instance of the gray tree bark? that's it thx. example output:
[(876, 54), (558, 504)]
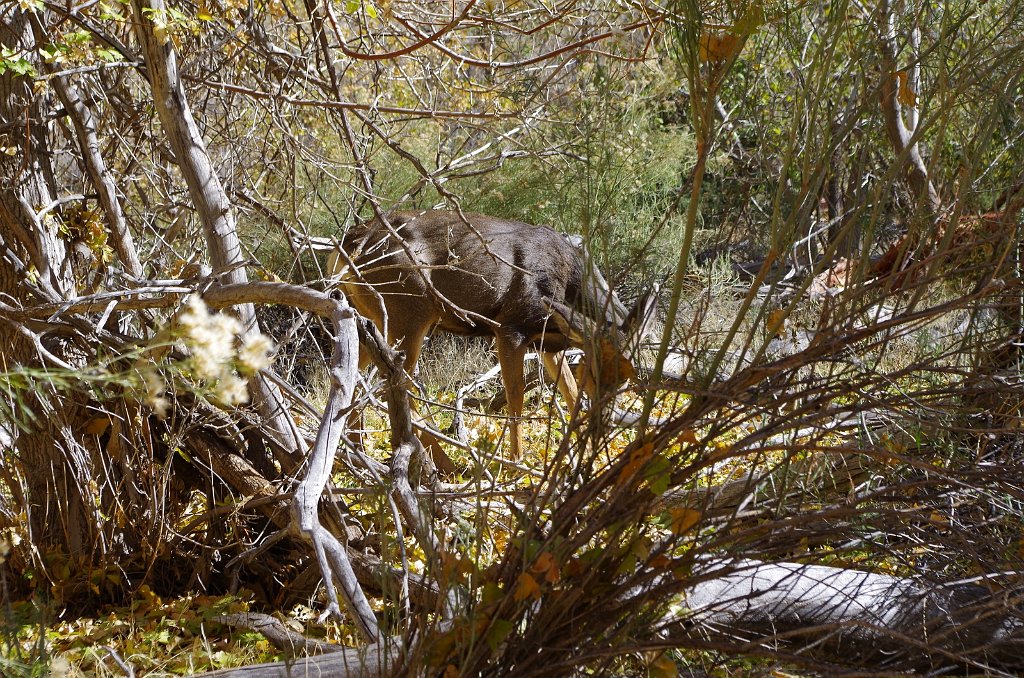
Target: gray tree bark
[(85, 127), (208, 198), (879, 619), (899, 130)]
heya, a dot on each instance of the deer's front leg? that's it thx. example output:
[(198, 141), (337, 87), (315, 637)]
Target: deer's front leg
[(558, 369), (511, 352)]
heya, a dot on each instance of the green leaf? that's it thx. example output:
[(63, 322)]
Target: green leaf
[(498, 632), (220, 658), (108, 12), (533, 547), (78, 37), (658, 474), (23, 67), (491, 592), (109, 55)]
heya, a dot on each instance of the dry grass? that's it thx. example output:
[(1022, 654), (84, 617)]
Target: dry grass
[(449, 362)]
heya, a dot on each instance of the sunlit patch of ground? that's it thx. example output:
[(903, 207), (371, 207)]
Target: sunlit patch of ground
[(152, 636)]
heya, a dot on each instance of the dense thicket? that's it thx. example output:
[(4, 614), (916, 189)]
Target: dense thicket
[(827, 469)]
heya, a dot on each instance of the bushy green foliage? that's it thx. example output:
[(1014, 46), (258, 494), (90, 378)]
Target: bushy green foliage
[(606, 164)]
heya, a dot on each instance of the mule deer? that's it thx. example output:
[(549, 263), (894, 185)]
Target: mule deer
[(476, 275)]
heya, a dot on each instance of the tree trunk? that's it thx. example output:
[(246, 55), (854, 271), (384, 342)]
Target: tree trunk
[(209, 199), (35, 268), (901, 132)]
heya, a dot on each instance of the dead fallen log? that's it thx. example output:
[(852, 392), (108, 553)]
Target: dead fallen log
[(363, 662), (861, 618)]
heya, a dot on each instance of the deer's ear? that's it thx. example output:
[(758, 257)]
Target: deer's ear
[(604, 365)]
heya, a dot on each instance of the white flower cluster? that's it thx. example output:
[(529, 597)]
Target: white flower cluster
[(218, 355), (254, 354), (210, 337)]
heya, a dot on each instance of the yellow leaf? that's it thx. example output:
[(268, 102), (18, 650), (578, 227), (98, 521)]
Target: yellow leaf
[(204, 15), (575, 567), (606, 369), (96, 427), (526, 587), (545, 565), (752, 19), (452, 564), (440, 647), (777, 322), (718, 46), (662, 667), (160, 33), (637, 459), (688, 436), (906, 96), (722, 450), (683, 519)]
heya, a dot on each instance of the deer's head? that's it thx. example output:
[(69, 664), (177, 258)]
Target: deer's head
[(611, 347)]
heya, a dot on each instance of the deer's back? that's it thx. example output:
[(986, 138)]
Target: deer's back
[(497, 268)]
